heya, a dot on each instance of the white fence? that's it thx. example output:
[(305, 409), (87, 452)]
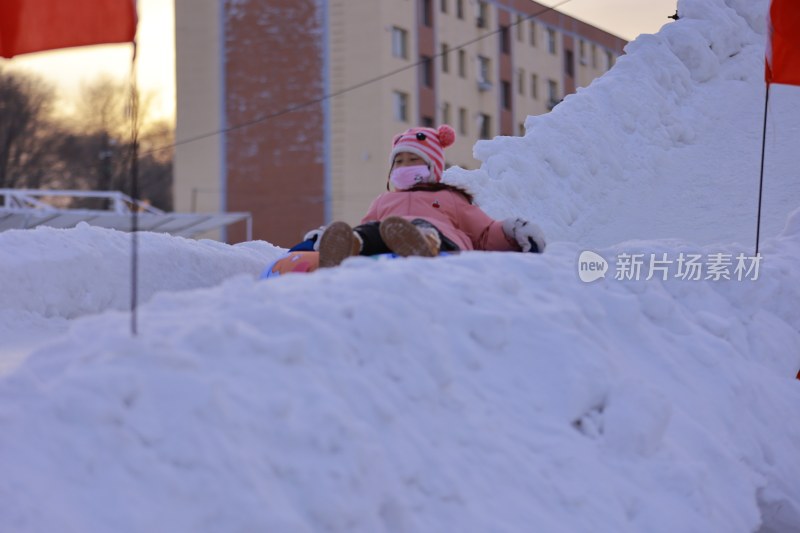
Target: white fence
[(28, 208)]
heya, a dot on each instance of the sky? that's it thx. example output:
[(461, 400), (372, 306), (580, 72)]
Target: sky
[(68, 69), (481, 391)]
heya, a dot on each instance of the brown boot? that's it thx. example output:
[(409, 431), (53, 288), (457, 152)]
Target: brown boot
[(405, 239), (338, 242), (432, 236)]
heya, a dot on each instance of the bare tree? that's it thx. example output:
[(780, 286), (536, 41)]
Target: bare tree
[(156, 154), (90, 149), (102, 149), (102, 126), (27, 131)]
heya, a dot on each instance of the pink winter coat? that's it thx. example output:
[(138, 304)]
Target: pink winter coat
[(462, 222)]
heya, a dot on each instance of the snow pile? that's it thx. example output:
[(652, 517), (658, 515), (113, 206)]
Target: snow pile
[(478, 392), (419, 395), (667, 144), (98, 262), (48, 276)]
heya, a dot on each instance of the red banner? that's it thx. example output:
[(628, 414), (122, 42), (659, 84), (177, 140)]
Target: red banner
[(37, 25), (783, 44)]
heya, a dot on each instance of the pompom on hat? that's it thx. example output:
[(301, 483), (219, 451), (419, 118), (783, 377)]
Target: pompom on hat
[(428, 143)]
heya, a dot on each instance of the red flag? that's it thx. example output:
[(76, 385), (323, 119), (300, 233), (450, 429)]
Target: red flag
[(783, 44), (37, 25)]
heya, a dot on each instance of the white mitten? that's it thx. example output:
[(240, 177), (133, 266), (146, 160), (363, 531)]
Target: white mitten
[(314, 235), (528, 235)]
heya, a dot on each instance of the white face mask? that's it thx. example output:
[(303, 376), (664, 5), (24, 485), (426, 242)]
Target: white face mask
[(406, 177)]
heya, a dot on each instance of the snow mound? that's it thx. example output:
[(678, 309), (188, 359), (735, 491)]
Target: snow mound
[(472, 393), (667, 144), (32, 263), (303, 404)]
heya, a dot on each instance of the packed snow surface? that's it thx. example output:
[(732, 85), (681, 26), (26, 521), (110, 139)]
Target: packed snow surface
[(473, 393)]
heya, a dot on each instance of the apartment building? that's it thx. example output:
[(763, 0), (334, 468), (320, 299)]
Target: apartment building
[(289, 106)]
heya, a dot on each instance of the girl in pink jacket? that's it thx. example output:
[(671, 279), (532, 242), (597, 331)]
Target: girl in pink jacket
[(419, 215)]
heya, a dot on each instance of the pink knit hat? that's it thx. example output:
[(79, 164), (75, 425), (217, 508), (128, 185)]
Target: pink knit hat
[(428, 143)]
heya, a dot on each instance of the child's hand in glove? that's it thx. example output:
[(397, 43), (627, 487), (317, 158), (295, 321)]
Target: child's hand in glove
[(528, 235)]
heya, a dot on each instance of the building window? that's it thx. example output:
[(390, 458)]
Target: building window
[(445, 113), (569, 63), (462, 121), (532, 33), (535, 86), (505, 94), (443, 6), (400, 106), (609, 60), (485, 126), (551, 41), (505, 40), (552, 93), (520, 28), (445, 58), (427, 122), (483, 15), (426, 71), (460, 9), (582, 51), (521, 129), (594, 55), (427, 13), (484, 69), (399, 43), (521, 82), (462, 63)]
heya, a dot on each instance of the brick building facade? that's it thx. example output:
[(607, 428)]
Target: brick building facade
[(258, 72)]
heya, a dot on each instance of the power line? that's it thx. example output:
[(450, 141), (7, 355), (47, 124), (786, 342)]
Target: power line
[(313, 101)]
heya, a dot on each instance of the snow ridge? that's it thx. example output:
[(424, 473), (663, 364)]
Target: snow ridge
[(665, 145), (472, 393)]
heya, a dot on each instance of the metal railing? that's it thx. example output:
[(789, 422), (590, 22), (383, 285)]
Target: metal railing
[(27, 208), (28, 199)]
